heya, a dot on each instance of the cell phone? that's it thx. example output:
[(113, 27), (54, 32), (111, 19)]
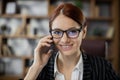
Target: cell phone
[(53, 47), (46, 49)]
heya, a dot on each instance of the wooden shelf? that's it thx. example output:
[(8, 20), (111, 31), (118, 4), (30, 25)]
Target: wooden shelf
[(22, 16), (38, 17), (10, 77), (22, 36), (11, 16), (100, 18), (20, 57)]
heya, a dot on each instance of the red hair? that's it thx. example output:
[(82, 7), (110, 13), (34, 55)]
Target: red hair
[(70, 11)]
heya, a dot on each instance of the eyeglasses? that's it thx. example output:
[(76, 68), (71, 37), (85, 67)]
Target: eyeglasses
[(71, 33)]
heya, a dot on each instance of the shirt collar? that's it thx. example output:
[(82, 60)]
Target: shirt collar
[(55, 65), (79, 65)]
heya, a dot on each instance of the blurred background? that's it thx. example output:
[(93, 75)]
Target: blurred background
[(24, 22)]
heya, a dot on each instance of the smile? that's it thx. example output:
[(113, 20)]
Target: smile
[(66, 47)]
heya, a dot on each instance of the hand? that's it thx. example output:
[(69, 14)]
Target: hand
[(41, 56)]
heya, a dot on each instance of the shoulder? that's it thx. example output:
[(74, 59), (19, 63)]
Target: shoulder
[(99, 63), (101, 67), (95, 60)]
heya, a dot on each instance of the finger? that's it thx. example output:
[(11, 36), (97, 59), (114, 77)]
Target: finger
[(38, 47), (45, 44), (48, 37), (49, 53), (45, 39)]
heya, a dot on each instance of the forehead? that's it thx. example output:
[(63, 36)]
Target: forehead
[(63, 22)]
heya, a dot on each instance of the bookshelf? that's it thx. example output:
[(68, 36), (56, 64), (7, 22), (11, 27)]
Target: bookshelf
[(29, 33)]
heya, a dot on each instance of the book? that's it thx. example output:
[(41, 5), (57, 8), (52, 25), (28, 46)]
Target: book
[(11, 8), (97, 11), (110, 32)]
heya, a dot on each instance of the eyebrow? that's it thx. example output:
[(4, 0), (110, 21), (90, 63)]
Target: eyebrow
[(67, 29)]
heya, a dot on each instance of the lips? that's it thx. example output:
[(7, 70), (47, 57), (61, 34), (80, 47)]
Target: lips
[(66, 47)]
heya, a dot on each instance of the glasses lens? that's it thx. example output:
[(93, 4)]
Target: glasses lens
[(56, 33), (73, 33)]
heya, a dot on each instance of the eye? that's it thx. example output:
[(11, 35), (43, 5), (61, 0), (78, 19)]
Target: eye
[(73, 32), (56, 32)]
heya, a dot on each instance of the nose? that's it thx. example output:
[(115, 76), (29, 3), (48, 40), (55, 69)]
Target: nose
[(64, 38)]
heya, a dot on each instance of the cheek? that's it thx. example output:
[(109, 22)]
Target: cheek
[(77, 43), (56, 41)]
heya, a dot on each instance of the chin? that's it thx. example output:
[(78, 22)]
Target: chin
[(67, 53)]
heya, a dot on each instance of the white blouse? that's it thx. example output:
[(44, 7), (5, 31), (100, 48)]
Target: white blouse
[(77, 73)]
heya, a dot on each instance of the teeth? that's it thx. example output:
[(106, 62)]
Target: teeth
[(65, 46)]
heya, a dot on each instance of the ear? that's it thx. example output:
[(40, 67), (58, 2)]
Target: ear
[(84, 32)]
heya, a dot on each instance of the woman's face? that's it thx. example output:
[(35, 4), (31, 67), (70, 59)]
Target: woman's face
[(67, 46)]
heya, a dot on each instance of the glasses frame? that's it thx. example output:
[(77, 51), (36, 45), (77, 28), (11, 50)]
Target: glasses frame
[(66, 31)]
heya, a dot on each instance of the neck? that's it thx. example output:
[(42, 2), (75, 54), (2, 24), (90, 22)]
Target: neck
[(68, 61)]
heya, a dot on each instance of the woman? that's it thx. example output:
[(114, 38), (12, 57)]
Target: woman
[(67, 62)]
